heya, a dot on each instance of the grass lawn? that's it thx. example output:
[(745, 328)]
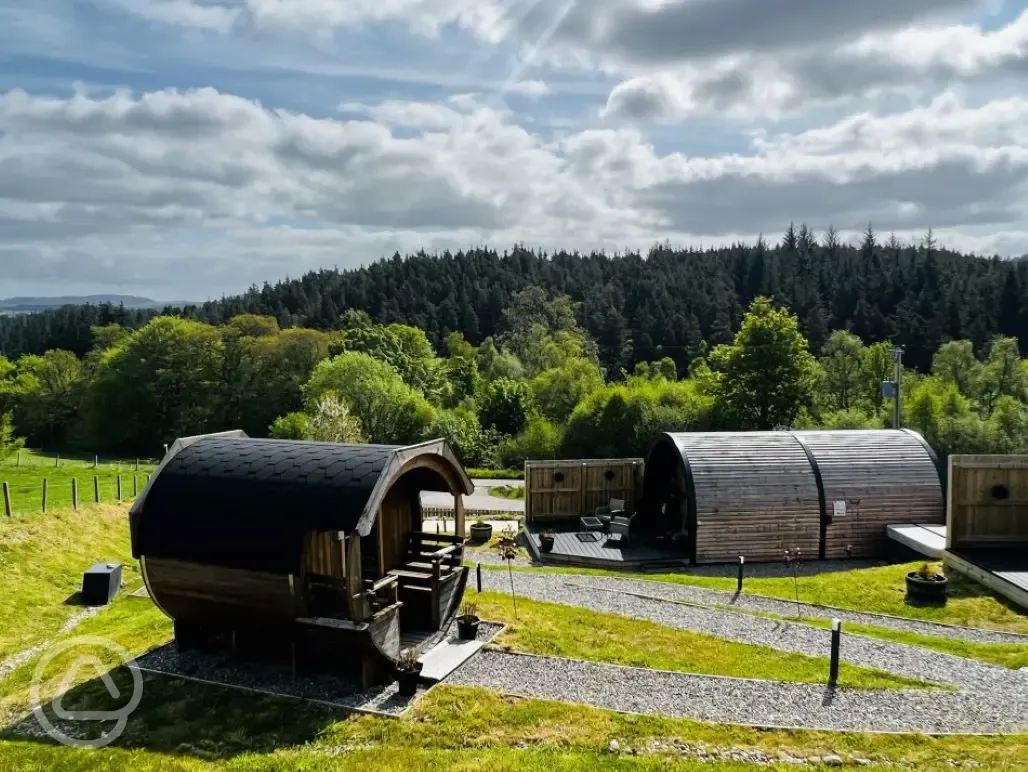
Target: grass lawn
[(26, 480), (556, 630), (42, 558), (879, 590), (186, 726), (508, 492)]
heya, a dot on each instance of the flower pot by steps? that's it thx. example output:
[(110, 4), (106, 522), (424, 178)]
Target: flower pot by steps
[(408, 681), (481, 532), (931, 589), (467, 628), (546, 543)]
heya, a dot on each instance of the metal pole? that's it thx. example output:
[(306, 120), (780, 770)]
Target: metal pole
[(119, 487), (478, 573), (742, 565), (897, 407), (44, 495), (833, 672), (96, 489), (7, 499), (74, 493)]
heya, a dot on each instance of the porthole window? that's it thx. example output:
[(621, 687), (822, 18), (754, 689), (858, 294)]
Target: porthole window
[(1000, 492)]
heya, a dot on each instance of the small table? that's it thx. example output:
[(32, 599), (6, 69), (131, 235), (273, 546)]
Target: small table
[(591, 524)]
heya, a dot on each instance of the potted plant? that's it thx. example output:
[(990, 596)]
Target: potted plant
[(408, 672), (546, 540), (927, 584), (467, 622), (481, 531)]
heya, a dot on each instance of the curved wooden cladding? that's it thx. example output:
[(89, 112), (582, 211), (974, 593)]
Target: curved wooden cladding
[(755, 493), (193, 592), (323, 554), (987, 502), (884, 478), (561, 490)]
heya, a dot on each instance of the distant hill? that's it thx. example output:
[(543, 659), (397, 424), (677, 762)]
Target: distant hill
[(27, 305)]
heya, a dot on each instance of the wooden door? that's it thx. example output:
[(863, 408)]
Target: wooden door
[(395, 522)]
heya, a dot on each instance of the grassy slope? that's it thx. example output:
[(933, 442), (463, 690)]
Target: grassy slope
[(555, 630), (26, 481), (42, 558), (878, 590)]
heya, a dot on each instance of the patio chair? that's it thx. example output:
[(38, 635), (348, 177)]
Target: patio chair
[(616, 508), (620, 526)]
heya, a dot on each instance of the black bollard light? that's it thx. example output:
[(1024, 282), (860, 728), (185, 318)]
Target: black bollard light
[(833, 672), (478, 575), (742, 565)]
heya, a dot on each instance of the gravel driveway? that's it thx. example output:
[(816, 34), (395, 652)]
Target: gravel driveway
[(988, 698)]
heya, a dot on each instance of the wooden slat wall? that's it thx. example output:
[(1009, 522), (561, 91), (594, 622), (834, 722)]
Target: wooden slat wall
[(195, 592), (884, 477), (323, 554), (975, 517), (756, 496), (586, 485), (395, 522)]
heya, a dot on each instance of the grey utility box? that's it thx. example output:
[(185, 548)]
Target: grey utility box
[(101, 583)]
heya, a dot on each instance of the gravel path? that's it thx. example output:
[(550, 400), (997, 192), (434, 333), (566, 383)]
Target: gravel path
[(732, 700), (684, 593), (988, 699)]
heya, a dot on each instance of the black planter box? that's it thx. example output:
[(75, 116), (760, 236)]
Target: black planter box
[(101, 583)]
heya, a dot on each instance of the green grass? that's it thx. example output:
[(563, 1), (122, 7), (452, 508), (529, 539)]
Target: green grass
[(879, 590), (26, 480), (187, 726), (42, 558), (556, 630), (496, 474), (515, 492)]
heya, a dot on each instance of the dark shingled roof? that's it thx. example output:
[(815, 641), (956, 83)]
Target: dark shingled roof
[(247, 503)]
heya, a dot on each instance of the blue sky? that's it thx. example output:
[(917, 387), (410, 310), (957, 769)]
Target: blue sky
[(187, 148)]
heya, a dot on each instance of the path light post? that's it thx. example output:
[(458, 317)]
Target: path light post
[(742, 567), (833, 670)]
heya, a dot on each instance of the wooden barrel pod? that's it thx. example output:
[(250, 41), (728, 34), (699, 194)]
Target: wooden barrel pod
[(300, 543), (735, 493), (872, 479), (828, 494)]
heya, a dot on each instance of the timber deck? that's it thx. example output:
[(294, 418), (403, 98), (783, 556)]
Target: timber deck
[(1002, 570), (640, 554)]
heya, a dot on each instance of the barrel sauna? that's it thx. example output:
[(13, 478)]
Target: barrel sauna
[(309, 550), (821, 494)]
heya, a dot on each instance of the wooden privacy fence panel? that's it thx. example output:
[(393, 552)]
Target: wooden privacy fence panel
[(560, 490), (987, 502)]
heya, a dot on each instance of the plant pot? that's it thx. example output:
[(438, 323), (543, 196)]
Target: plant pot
[(481, 533), (408, 681), (546, 543), (467, 628), (932, 589)]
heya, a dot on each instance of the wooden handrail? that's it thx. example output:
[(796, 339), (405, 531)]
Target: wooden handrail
[(444, 552), (383, 583), (439, 537)]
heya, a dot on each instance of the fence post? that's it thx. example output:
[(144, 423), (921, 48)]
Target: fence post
[(74, 493), (96, 489), (833, 671), (96, 461), (19, 459), (137, 463), (44, 495), (7, 499), (135, 486), (119, 487), (57, 461)]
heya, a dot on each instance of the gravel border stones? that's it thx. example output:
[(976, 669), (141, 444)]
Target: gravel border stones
[(730, 700)]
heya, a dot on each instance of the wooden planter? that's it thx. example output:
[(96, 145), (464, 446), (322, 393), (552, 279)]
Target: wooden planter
[(408, 681), (481, 533), (931, 590)]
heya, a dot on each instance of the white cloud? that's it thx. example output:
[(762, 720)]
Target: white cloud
[(754, 84), (195, 186), (529, 88)]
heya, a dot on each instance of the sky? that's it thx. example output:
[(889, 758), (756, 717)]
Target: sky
[(185, 149)]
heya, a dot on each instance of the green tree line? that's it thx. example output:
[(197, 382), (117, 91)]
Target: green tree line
[(669, 303), (535, 390)]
